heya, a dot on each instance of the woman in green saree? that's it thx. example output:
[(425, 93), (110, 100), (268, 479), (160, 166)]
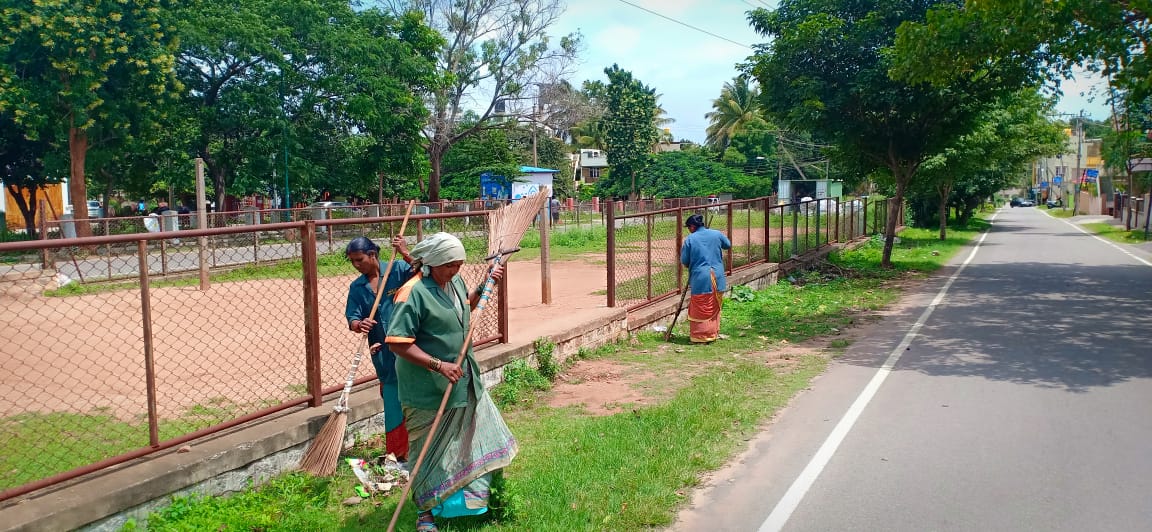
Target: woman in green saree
[(427, 332)]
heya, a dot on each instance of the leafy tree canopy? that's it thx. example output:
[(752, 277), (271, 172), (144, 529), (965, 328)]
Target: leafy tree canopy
[(693, 174), (825, 72)]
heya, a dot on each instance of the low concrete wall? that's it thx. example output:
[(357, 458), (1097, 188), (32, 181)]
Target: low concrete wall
[(232, 461)]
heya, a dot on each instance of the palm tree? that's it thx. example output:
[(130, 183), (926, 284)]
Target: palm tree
[(589, 134), (660, 119), (736, 110)]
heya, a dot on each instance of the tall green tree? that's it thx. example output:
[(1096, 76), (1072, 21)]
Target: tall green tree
[(22, 168), (496, 51), (629, 131), (1020, 42), (736, 111), (324, 94), (1008, 136), (72, 69), (691, 173), (825, 72)]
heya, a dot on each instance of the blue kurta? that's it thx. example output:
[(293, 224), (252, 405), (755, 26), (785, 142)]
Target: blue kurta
[(360, 299), (702, 253)]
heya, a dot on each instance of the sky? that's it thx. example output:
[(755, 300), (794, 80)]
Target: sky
[(688, 67)]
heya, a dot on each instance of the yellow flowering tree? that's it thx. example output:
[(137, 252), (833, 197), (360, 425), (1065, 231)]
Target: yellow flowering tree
[(70, 68)]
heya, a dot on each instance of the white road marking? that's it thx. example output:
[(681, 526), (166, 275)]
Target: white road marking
[(791, 499), (1097, 237)]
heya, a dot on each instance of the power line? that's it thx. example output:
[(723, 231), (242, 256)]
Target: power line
[(685, 24)]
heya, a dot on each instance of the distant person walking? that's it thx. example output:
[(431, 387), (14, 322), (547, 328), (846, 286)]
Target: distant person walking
[(702, 253), (365, 257)]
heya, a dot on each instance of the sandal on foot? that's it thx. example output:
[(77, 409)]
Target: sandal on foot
[(428, 525)]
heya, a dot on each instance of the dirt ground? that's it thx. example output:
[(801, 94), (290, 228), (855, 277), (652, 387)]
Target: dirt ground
[(235, 348), (605, 387)]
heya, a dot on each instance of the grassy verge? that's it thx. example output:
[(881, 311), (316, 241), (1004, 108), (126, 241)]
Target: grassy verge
[(1117, 233), (38, 445), (633, 469), (1060, 212)]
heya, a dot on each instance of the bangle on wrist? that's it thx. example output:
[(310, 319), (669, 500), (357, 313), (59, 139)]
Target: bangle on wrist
[(434, 363)]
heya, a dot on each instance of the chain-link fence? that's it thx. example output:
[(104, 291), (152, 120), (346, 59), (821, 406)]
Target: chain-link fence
[(141, 342), (644, 247)]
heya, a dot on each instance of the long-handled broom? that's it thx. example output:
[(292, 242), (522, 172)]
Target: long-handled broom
[(506, 226), (322, 457)]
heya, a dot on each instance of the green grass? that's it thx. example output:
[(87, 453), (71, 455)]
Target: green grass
[(1117, 233), (1061, 212), (37, 445), (634, 469)]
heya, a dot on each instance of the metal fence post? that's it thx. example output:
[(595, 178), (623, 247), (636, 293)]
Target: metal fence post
[(730, 238), (648, 255), (767, 231), (610, 259), (108, 248), (795, 230), (149, 361), (679, 245), (838, 221), (818, 203), (48, 260), (202, 223), (311, 313)]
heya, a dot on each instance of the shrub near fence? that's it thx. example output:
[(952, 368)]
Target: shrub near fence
[(97, 373), (644, 248)]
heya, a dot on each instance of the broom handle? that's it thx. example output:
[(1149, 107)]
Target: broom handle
[(489, 283), (679, 308), (342, 404)]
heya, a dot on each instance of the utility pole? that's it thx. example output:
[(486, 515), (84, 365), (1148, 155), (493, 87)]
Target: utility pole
[(1079, 170)]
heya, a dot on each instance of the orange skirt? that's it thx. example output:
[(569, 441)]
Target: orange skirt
[(704, 315)]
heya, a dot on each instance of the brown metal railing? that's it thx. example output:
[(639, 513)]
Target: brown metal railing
[(760, 231), (144, 360)]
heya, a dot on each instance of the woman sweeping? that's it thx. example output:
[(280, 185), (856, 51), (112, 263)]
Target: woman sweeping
[(702, 253), (365, 257), (427, 331)]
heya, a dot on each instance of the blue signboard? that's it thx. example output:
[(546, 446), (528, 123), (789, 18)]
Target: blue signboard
[(1043, 184), (494, 187), (1057, 180)]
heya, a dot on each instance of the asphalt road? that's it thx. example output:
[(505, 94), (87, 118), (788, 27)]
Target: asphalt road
[(1013, 392)]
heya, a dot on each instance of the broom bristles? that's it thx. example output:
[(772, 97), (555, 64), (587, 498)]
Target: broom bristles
[(507, 225), (323, 455)]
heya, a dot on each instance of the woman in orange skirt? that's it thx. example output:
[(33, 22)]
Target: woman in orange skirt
[(703, 255)]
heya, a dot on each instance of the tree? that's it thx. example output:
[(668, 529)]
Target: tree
[(1020, 42), (1009, 134), (70, 69), (826, 72), (736, 111), (22, 168), (322, 93), (692, 173), (496, 50), (629, 131)]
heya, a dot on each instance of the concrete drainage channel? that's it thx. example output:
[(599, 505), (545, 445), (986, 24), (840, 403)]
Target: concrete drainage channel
[(232, 461)]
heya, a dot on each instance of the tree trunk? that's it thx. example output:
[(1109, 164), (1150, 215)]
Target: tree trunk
[(945, 191), (218, 174), (77, 187), (435, 157), (893, 217), (27, 209)]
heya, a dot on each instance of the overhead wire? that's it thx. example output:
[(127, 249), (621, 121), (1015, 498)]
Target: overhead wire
[(687, 25)]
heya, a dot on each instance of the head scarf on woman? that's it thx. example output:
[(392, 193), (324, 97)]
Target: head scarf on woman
[(438, 250)]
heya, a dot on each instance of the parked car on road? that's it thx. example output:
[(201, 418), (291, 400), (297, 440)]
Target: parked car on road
[(1022, 202), (1052, 204), (95, 210)]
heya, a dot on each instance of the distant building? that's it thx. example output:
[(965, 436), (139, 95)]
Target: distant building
[(591, 163)]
